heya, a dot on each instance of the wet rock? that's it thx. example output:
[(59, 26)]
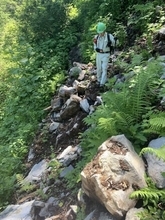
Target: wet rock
[(41, 210), (99, 215)]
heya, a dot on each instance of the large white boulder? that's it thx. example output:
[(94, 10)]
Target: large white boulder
[(114, 173)]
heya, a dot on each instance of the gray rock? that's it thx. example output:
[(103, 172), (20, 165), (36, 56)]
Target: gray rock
[(16, 212), (99, 215), (156, 166), (68, 155), (53, 126), (85, 105), (157, 143), (70, 108), (66, 170), (37, 171), (132, 214)]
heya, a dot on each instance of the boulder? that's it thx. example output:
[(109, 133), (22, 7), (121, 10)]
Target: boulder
[(114, 173), (70, 108), (156, 165), (15, 212)]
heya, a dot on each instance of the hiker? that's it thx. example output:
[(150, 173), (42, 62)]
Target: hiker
[(103, 43)]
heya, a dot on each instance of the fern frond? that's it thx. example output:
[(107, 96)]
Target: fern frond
[(107, 125), (160, 153), (139, 97), (151, 197), (156, 124), (116, 101), (148, 194), (143, 90)]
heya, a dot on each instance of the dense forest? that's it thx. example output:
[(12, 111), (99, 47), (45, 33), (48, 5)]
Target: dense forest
[(36, 40)]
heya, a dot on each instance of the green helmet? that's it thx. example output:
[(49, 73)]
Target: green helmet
[(101, 27)]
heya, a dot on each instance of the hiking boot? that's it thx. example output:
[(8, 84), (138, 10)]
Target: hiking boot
[(97, 85), (102, 87)]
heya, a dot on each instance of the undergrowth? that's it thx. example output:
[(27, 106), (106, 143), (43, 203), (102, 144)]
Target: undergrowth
[(153, 201)]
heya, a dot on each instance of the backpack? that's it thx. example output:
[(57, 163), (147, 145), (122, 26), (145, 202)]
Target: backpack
[(109, 44)]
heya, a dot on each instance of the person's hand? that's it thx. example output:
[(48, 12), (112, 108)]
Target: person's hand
[(95, 41), (97, 49)]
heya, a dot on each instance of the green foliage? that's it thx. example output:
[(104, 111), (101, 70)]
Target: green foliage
[(42, 19), (149, 195), (153, 201), (155, 124), (152, 213), (35, 40), (73, 177), (81, 213), (30, 75), (8, 165), (55, 169), (160, 153), (145, 18), (40, 193), (7, 189), (121, 34), (124, 110), (26, 187), (22, 110)]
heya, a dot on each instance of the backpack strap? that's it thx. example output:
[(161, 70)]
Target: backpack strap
[(109, 41), (110, 44)]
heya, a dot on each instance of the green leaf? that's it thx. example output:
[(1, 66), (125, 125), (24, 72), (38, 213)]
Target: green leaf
[(24, 60)]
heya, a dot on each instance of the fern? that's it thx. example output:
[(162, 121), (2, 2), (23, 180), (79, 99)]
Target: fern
[(153, 201), (137, 59), (138, 96), (148, 195), (123, 111), (160, 153), (156, 124), (152, 213), (107, 125), (143, 92), (92, 138)]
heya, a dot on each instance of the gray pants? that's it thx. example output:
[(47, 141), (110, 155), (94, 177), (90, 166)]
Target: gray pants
[(102, 60)]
